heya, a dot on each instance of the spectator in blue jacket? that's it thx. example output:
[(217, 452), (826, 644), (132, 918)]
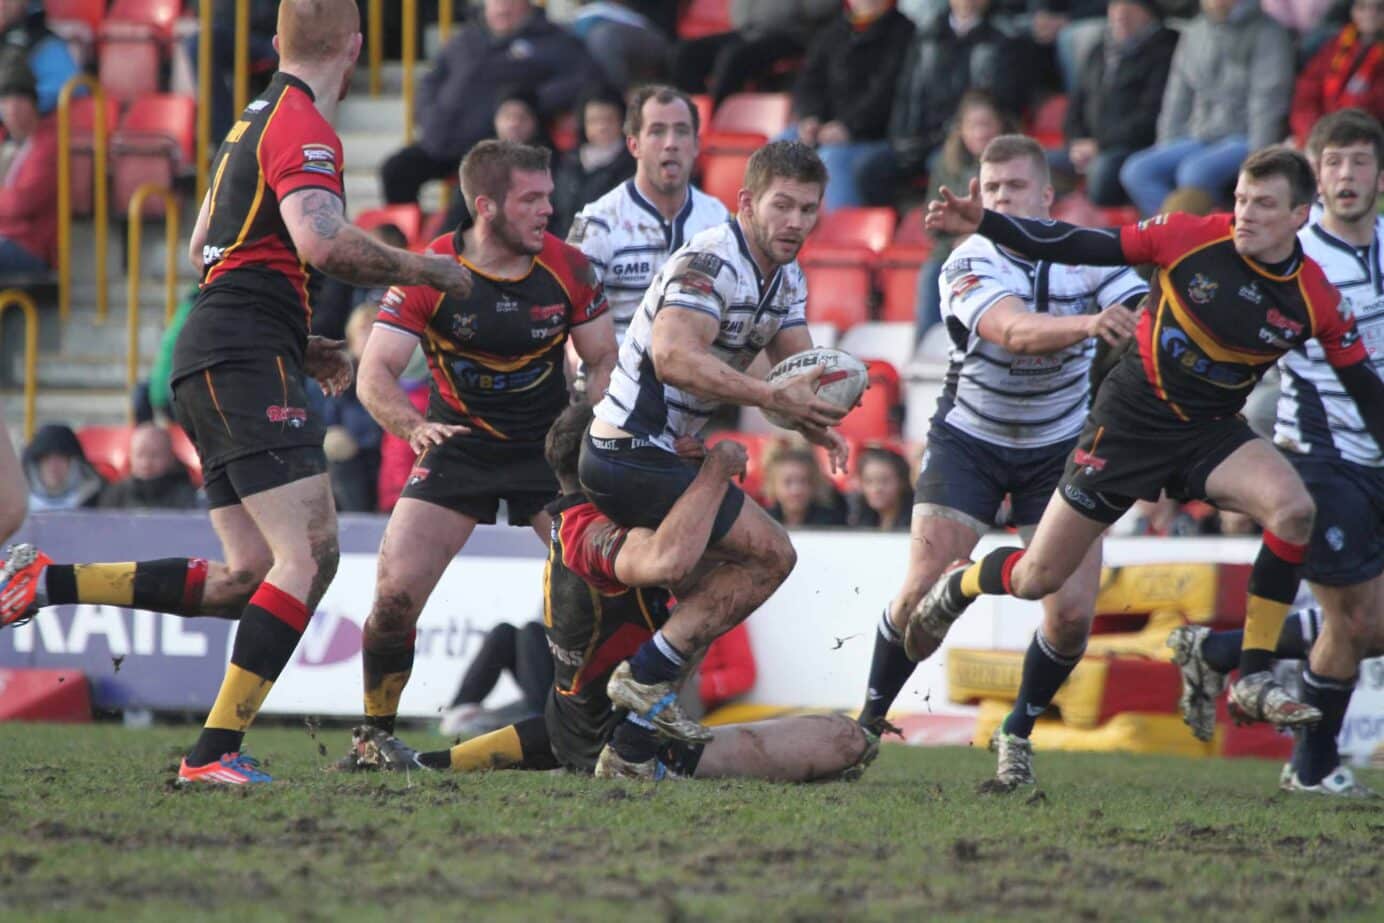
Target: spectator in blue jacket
[(23, 24)]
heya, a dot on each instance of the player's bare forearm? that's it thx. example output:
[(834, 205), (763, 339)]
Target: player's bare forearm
[(1043, 334), (699, 372), (666, 556), (379, 391), (595, 344)]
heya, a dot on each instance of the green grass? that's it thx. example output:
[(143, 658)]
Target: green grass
[(90, 822)]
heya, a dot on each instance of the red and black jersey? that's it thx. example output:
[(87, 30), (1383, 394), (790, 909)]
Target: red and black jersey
[(496, 356), (1217, 320), (593, 620), (254, 297)]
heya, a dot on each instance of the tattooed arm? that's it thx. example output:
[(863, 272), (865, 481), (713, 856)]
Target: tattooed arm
[(316, 220)]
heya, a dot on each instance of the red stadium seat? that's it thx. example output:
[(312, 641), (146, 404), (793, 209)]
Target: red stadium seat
[(407, 218), (884, 376), (838, 293), (874, 417), (871, 228), (756, 446), (897, 276), (154, 144), (704, 17), (704, 109), (722, 176), (83, 148), (910, 229), (157, 15), (77, 22), (108, 449), (762, 113), (133, 38), (1045, 122)]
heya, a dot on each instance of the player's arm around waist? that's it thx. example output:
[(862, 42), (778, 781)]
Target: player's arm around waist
[(681, 348), (594, 342), (1009, 324), (387, 353)]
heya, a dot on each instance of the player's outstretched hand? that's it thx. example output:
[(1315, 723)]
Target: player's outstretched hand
[(327, 361), (838, 450), (1115, 324), (690, 447), (729, 457), (447, 275), (796, 398), (426, 435), (952, 215)]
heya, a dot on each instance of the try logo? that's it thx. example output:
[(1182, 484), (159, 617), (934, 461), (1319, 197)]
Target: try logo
[(293, 416)]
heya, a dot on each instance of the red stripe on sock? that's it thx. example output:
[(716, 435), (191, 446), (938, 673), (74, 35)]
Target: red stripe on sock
[(1288, 551), (194, 583), (1008, 569), (283, 607)]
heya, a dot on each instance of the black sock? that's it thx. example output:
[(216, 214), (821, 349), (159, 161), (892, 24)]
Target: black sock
[(1221, 650), (657, 661), (1045, 671), (1315, 756), (172, 585), (634, 741), (890, 668)]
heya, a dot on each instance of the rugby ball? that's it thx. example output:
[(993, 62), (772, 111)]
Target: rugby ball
[(844, 378)]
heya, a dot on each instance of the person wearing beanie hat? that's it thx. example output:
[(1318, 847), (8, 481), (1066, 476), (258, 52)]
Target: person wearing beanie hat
[(28, 221)]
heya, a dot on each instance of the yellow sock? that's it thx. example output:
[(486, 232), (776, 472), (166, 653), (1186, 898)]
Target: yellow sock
[(497, 750), (105, 584), (242, 693), (970, 581), (383, 700), (1263, 623)]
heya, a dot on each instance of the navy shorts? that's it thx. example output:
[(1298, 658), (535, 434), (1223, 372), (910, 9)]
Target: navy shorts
[(973, 476), (636, 483), (1347, 544)]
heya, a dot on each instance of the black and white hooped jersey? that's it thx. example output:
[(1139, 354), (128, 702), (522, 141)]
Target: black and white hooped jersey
[(1315, 414), (1020, 402), (627, 240), (715, 275)]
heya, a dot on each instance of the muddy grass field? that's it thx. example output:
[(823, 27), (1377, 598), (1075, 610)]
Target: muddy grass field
[(90, 822)]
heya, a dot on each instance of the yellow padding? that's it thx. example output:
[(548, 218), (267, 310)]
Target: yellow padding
[(986, 675), (1131, 732), (1186, 588)]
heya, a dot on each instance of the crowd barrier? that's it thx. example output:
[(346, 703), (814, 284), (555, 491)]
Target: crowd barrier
[(812, 641)]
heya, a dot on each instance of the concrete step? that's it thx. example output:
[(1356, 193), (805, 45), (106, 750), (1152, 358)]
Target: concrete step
[(361, 112), (391, 78), (76, 408), (81, 372), (366, 150)]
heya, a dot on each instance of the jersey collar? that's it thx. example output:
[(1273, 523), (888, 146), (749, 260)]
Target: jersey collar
[(1370, 264), (296, 82), (768, 287), (673, 235)]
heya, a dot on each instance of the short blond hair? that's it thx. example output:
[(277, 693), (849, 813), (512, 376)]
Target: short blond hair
[(315, 31)]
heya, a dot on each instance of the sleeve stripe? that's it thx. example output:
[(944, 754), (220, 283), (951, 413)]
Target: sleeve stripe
[(399, 328), (691, 307)]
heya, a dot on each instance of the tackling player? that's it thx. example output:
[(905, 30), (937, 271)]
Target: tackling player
[(1023, 335), (498, 382), (274, 208), (1321, 433), (1233, 294), (603, 592), (733, 291), (629, 233)]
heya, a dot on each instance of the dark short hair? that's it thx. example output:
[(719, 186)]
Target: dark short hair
[(660, 93), (487, 170), (1277, 160), (791, 160), (1344, 128), (562, 447), (1005, 148)]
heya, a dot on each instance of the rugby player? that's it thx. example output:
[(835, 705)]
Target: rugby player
[(604, 592), (1232, 295), (733, 291), (1023, 335), (1321, 433), (629, 233), (498, 382), (274, 208)]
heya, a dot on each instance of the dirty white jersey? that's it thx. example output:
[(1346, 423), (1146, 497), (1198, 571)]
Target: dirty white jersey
[(627, 240), (714, 275), (1020, 402), (1315, 414)]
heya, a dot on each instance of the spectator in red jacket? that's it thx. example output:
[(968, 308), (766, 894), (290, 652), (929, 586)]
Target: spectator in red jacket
[(28, 220), (1347, 72)]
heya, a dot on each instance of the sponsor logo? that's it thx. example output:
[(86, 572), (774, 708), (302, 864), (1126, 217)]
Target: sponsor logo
[(1092, 463), (1177, 345), (506, 305), (641, 267), (212, 254), (543, 333), (463, 326), (325, 169), (547, 311), (733, 327), (257, 105), (1250, 292), (696, 281), (566, 656), (1202, 288), (957, 269), (417, 475), (1033, 711), (1273, 339), (1335, 538), (805, 360), (1283, 322), (330, 638), (1078, 496), (318, 152), (1035, 365), (708, 263), (295, 417), (965, 286), (479, 378)]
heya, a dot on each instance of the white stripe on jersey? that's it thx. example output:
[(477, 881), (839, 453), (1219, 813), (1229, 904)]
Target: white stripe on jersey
[(1021, 402), (1315, 415), (715, 275), (627, 240)]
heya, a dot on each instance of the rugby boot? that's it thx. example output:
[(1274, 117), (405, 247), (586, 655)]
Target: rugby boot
[(1014, 759), (929, 622), (656, 703), (1201, 684), (611, 765), (231, 769), (19, 577), (1260, 697), (376, 748), (1340, 783)]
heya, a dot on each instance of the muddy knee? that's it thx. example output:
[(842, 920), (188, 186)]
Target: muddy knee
[(391, 618)]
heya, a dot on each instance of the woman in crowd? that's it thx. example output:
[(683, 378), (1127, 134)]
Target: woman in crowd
[(885, 500), (599, 164), (797, 491)]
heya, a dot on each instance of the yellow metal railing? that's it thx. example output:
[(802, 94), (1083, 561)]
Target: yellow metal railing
[(242, 55), (14, 298), (100, 218), (408, 52), (170, 224), (374, 42), (204, 27)]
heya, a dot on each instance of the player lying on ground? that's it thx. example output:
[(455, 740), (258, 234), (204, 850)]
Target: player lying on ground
[(605, 594), (1023, 338), (1230, 296)]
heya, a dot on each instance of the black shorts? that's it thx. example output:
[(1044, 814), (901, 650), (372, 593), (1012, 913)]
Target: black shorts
[(1121, 457), (577, 736), (973, 476), (1347, 546), (636, 483), (252, 426), (471, 477)]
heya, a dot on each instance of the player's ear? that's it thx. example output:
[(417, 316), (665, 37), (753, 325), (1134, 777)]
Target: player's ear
[(1048, 196), (745, 201), (632, 145)]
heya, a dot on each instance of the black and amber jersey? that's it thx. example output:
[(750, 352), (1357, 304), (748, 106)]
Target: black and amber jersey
[(593, 621), (1217, 321), (254, 296), (496, 356)]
